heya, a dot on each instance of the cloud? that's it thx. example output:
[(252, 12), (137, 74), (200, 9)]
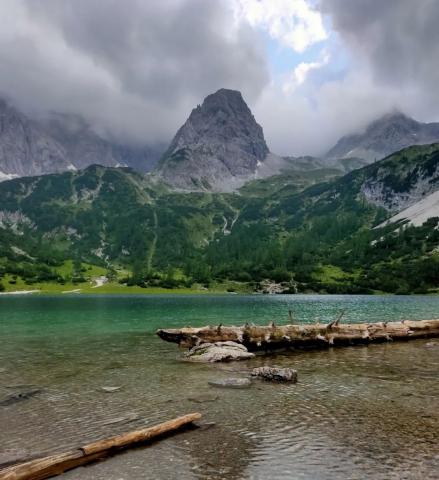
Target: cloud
[(392, 51), (293, 22), (134, 68), (397, 40), (310, 119), (302, 71)]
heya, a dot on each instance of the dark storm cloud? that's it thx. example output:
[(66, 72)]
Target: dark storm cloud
[(136, 66), (399, 38)]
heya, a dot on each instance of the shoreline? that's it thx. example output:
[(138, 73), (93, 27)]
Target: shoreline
[(183, 292), (21, 292)]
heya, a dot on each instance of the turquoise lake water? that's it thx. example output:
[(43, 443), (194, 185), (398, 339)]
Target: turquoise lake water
[(359, 412)]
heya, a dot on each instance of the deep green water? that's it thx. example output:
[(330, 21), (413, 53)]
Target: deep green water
[(360, 412)]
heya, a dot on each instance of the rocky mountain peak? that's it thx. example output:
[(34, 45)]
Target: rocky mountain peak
[(384, 136), (219, 146), (394, 121)]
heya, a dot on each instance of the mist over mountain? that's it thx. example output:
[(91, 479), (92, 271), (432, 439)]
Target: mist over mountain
[(62, 142), (220, 147), (384, 136), (25, 147)]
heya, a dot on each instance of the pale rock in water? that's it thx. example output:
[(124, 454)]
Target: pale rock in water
[(231, 383), (275, 374), (218, 352)]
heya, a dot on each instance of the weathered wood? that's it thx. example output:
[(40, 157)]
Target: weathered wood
[(56, 464), (306, 335)]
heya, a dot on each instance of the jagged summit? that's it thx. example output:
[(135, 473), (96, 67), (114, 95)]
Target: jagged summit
[(388, 134), (219, 146)]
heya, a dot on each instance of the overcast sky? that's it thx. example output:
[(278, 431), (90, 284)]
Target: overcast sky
[(310, 70)]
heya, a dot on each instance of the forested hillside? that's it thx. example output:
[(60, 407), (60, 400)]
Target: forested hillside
[(286, 230)]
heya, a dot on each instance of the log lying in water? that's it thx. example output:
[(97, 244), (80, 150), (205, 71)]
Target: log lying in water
[(316, 335), (56, 464)]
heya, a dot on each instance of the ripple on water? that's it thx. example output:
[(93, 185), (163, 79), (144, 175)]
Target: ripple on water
[(365, 412)]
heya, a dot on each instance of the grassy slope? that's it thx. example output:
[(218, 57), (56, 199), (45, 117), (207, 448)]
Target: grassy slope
[(277, 208)]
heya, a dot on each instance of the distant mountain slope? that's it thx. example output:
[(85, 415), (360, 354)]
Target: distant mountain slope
[(320, 239), (218, 148), (384, 136), (59, 143), (85, 147), (403, 178), (25, 148)]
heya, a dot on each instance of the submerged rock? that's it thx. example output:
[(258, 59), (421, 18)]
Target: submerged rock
[(205, 425), (231, 383), (202, 398), (110, 389), (10, 456), (218, 352), (275, 374), (19, 397), (132, 417)]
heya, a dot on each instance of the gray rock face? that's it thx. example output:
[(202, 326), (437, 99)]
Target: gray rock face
[(84, 147), (61, 142), (218, 148), (406, 182), (386, 135), (218, 352), (275, 374), (25, 148)]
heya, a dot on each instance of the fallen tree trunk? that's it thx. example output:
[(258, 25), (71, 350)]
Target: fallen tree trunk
[(316, 335), (56, 464)]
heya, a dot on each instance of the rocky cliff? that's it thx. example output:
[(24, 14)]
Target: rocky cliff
[(25, 148), (218, 148), (62, 142)]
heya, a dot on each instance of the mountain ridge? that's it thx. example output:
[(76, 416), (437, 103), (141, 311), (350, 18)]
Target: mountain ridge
[(384, 136), (61, 142), (270, 229)]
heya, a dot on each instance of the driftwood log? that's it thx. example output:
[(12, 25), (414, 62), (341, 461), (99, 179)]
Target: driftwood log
[(47, 467), (308, 335)]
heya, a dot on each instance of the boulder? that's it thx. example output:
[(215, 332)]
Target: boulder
[(218, 352), (275, 374), (231, 383)]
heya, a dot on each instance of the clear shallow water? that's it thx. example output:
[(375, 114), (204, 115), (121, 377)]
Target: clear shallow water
[(361, 412)]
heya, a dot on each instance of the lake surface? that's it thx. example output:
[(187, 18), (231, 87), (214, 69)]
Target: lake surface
[(358, 412)]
